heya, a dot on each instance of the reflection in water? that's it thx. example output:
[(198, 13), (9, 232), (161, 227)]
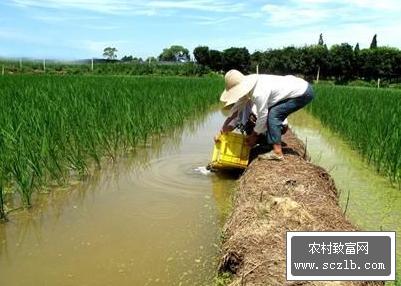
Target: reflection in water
[(222, 195), (149, 219), (373, 203)]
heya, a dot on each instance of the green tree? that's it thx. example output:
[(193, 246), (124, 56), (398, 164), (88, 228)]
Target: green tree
[(257, 60), (381, 62), (397, 64), (127, 58), (216, 60), (202, 55), (342, 59), (289, 61), (110, 53), (257, 56), (151, 60), (321, 42), (373, 45), (174, 54), (237, 58), (357, 49), (315, 61), (357, 61)]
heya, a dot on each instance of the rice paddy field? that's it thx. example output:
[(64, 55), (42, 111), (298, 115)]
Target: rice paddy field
[(368, 119), (52, 128), (58, 129)]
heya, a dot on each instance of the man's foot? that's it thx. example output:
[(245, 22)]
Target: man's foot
[(271, 156)]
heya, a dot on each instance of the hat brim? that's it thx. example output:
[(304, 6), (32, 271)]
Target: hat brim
[(231, 96), (228, 106)]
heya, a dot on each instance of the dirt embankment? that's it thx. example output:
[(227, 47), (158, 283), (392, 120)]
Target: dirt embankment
[(275, 197)]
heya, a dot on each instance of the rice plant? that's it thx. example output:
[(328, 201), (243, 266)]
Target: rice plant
[(52, 127), (369, 119)]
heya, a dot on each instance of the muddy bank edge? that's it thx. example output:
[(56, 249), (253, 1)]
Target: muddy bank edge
[(272, 198)]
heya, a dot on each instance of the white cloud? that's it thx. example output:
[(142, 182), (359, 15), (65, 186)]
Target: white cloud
[(103, 6), (348, 33), (200, 5), (330, 13), (62, 18), (214, 21), (390, 5), (369, 4), (292, 16), (137, 7), (258, 25)]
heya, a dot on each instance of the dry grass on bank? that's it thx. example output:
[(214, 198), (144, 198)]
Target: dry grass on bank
[(275, 197)]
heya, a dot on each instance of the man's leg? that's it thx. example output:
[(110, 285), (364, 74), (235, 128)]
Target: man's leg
[(278, 114)]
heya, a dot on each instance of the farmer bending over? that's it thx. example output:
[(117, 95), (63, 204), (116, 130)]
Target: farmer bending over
[(244, 120), (275, 98)]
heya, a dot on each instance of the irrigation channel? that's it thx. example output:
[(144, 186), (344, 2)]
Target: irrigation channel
[(373, 204), (151, 219), (154, 219)]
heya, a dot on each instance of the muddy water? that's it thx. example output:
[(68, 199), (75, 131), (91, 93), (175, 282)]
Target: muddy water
[(373, 203), (150, 219)]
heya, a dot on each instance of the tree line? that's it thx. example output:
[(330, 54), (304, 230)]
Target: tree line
[(342, 62), (175, 53)]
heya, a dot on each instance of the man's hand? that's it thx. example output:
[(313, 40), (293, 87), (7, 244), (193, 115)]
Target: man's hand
[(252, 139), (227, 128), (217, 137)]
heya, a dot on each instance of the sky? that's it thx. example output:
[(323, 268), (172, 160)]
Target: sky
[(76, 29)]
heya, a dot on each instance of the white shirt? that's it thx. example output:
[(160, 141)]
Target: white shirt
[(271, 89), (244, 113)]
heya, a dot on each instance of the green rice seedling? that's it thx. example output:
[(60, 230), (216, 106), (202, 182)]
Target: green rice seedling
[(52, 127), (369, 119), (2, 211), (2, 186)]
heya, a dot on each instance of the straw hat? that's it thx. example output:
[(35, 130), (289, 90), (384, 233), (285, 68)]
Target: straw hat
[(237, 86)]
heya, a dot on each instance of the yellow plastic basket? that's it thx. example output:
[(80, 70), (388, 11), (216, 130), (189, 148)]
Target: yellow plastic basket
[(230, 151)]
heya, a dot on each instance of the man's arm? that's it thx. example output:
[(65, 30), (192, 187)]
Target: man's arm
[(227, 127), (262, 108)]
